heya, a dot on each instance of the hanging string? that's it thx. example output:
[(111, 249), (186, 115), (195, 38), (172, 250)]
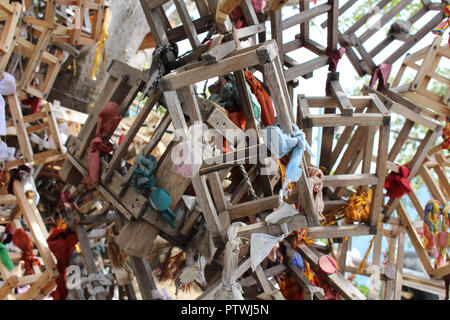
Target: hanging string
[(100, 52)]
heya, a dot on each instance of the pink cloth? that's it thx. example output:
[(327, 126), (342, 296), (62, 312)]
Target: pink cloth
[(108, 120), (381, 74)]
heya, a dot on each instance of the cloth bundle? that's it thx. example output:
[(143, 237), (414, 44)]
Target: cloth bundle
[(436, 222), (227, 95), (7, 87), (107, 122), (237, 16), (143, 178), (315, 182), (62, 243), (6, 153), (280, 144), (22, 240), (4, 258), (397, 184)]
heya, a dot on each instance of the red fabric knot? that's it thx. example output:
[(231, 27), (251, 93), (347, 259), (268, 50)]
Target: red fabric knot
[(107, 122), (23, 242), (334, 56), (34, 102), (267, 113), (62, 243), (381, 74), (397, 184), (237, 16)]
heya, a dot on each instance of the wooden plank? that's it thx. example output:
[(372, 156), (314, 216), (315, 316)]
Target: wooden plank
[(19, 124), (35, 223)]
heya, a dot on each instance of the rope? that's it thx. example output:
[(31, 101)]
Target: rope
[(248, 182)]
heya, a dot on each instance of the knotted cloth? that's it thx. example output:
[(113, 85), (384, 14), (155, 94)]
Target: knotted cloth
[(108, 120), (315, 182), (143, 177), (237, 16), (280, 144), (267, 113), (23, 242), (435, 235), (7, 87), (62, 243), (34, 103), (4, 257), (446, 135), (397, 184), (381, 74), (230, 288)]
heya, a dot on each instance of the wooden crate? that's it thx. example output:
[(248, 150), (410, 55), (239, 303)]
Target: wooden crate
[(356, 37), (425, 63), (21, 126), (79, 30), (369, 116), (41, 283), (38, 57), (9, 16), (164, 34), (302, 21), (412, 115)]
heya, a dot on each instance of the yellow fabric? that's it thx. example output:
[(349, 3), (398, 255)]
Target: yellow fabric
[(356, 209), (100, 53)]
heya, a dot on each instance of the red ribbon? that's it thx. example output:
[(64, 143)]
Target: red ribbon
[(381, 74), (397, 184), (334, 57), (107, 122), (62, 243), (23, 242)]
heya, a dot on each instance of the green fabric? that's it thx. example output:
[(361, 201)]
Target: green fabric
[(229, 97), (4, 257), (143, 177), (160, 200)]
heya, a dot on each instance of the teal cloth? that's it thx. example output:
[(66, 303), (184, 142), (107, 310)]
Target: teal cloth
[(143, 176), (160, 200), (4, 257), (229, 97)]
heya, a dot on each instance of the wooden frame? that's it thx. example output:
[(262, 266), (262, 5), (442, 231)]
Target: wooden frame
[(10, 13), (173, 85), (416, 90), (302, 40), (412, 114), (367, 123), (42, 283), (38, 56), (19, 127), (80, 31), (361, 58)]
